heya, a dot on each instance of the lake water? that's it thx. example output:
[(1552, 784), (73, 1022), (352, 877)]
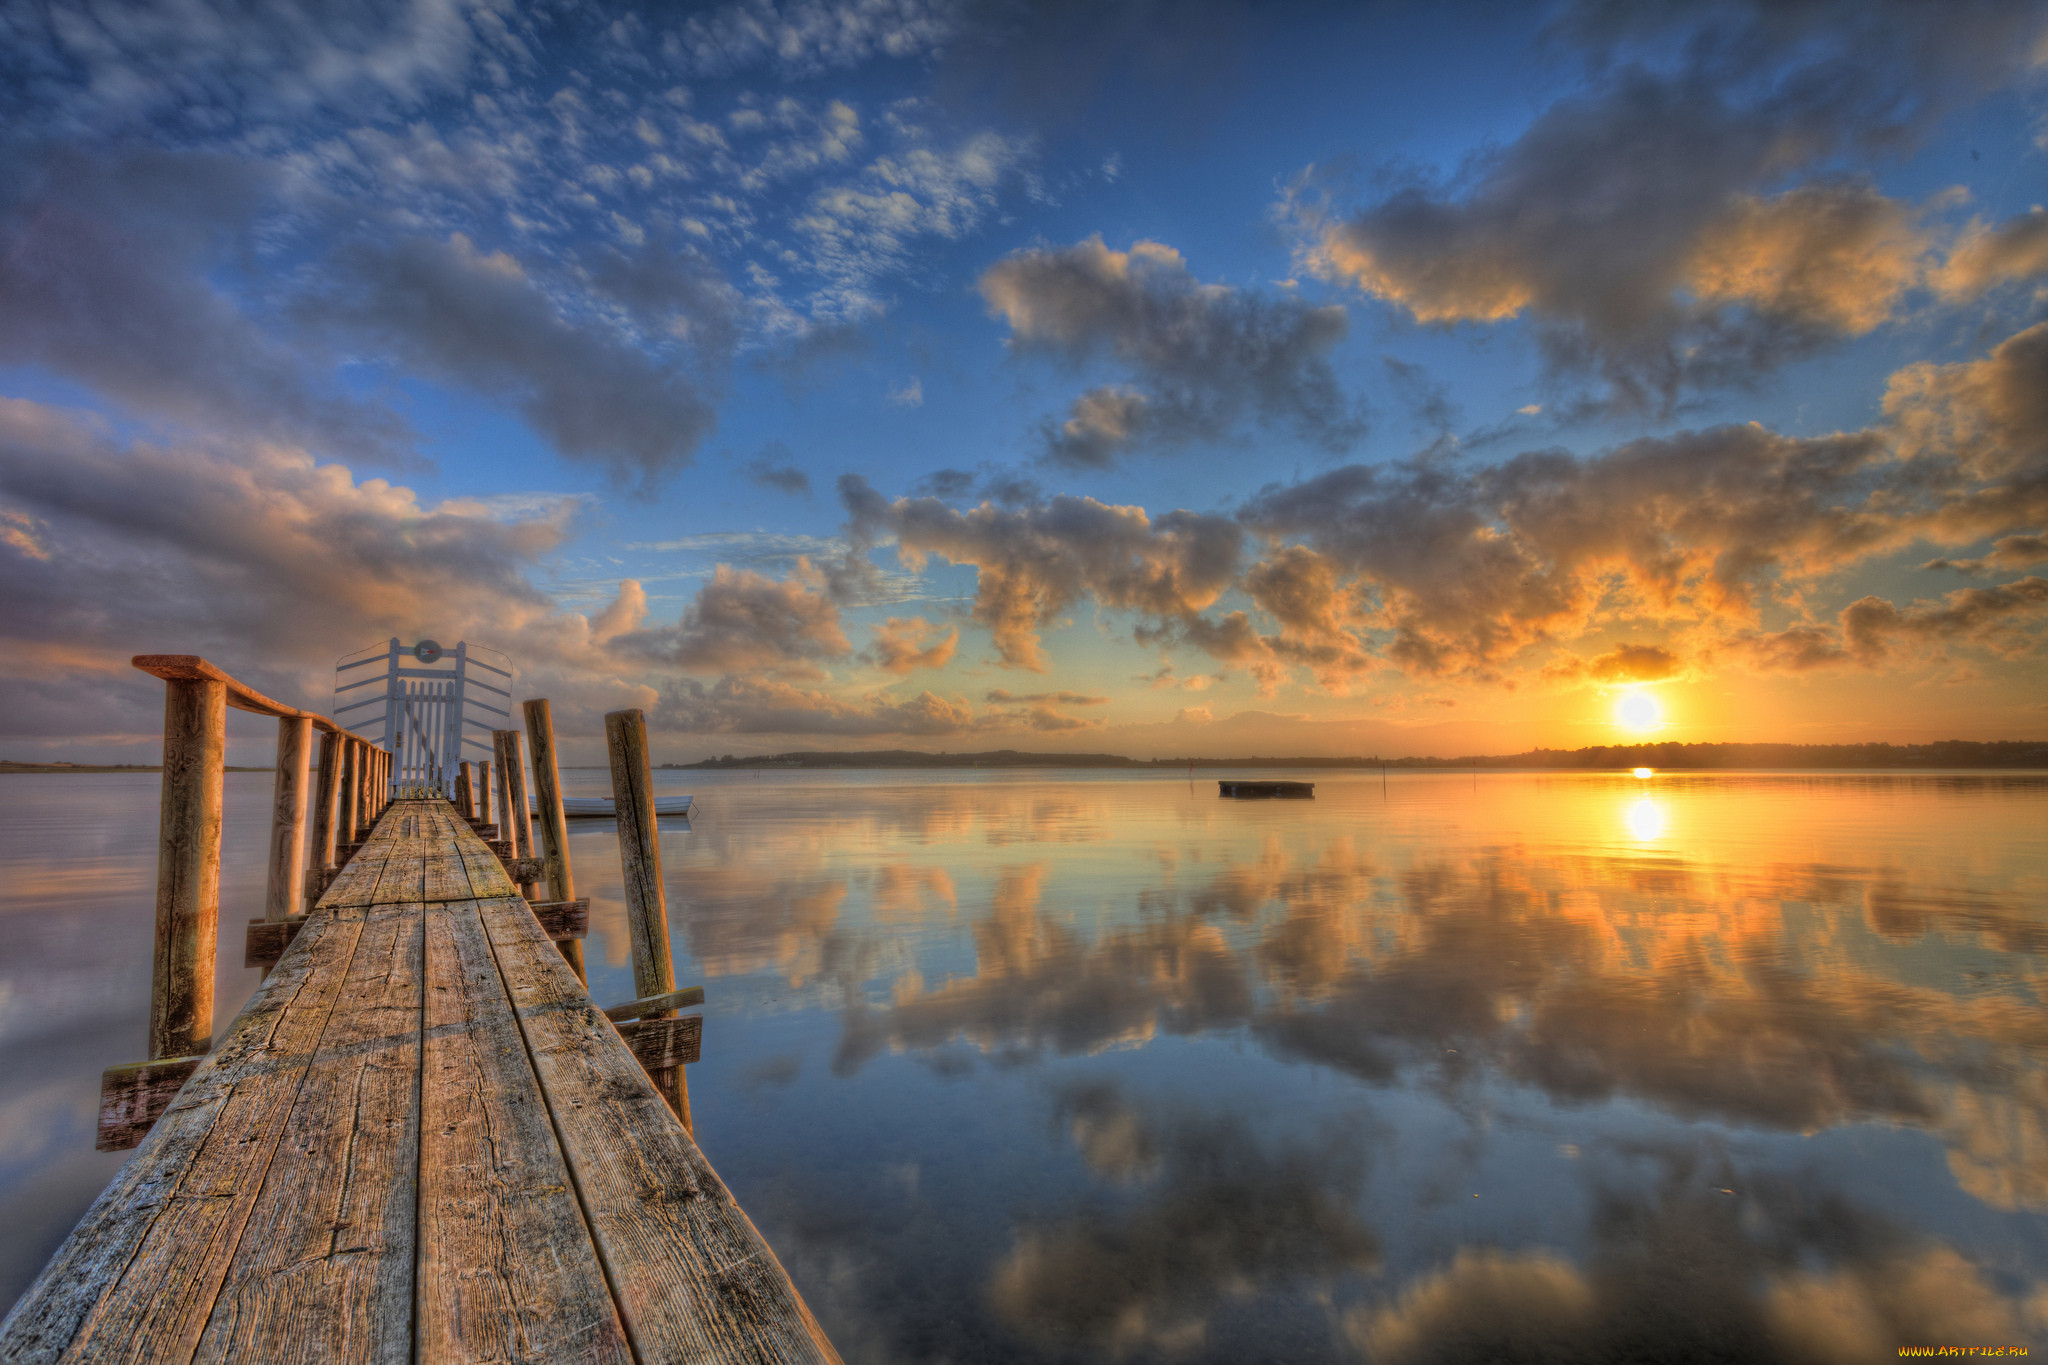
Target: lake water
[(1075, 1067)]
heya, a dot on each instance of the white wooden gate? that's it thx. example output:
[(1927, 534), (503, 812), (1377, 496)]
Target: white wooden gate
[(431, 699)]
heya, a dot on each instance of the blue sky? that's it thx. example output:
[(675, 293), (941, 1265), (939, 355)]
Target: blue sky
[(1157, 379)]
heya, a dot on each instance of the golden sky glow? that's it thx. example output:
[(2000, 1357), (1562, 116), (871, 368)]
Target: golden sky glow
[(1329, 393)]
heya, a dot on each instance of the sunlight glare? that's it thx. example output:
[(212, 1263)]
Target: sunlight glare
[(1638, 711), (1645, 772), (1646, 820)]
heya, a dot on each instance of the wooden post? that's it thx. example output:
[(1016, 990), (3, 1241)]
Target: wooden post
[(188, 868), (483, 792), (465, 804), (512, 761), (554, 828), (288, 818), (345, 807), (501, 793), (654, 972), (366, 774), (326, 803)]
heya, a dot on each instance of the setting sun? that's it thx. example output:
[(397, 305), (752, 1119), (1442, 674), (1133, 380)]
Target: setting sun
[(1638, 711)]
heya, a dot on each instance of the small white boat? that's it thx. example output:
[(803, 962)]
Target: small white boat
[(601, 806)]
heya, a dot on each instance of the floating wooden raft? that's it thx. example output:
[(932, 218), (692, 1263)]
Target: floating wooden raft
[(418, 1142), (1234, 787)]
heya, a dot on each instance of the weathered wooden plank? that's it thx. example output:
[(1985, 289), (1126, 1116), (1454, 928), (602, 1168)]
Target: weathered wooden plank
[(693, 1279), (661, 1044), (324, 1268), (266, 940), (525, 871), (507, 1271), (561, 920), (134, 1097), (191, 667), (138, 1276), (655, 1004)]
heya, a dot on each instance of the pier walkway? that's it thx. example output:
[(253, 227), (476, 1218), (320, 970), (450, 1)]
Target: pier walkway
[(420, 1141)]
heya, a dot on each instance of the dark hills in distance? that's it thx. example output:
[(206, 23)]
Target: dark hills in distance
[(1948, 753)]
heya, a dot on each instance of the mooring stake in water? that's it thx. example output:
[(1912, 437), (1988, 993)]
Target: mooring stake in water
[(654, 971), (554, 824)]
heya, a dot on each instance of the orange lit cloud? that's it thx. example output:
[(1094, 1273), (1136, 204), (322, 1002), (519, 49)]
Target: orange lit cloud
[(899, 645)]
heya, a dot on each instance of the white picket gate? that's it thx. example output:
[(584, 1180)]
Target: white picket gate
[(429, 713)]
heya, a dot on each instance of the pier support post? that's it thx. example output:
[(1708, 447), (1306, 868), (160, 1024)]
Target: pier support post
[(288, 818), (188, 868), (326, 803), (345, 804), (482, 791), (510, 747), (366, 775), (654, 971), (501, 793), (465, 804), (554, 827)]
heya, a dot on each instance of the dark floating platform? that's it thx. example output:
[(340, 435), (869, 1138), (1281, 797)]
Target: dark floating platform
[(1233, 787)]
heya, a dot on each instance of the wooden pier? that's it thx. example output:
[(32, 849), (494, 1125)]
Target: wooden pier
[(420, 1140)]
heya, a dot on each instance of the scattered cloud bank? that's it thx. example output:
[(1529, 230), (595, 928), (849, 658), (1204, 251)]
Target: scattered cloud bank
[(1202, 357), (1640, 226)]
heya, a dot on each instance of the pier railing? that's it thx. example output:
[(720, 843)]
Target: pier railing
[(311, 841), (351, 793)]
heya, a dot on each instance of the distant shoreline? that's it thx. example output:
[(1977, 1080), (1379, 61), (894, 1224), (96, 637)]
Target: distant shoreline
[(1995, 754), (1989, 755), (8, 765)]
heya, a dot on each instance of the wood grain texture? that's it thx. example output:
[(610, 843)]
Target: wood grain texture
[(345, 832), (654, 972), (134, 1097), (693, 1279), (419, 1141), (287, 870), (563, 920), (193, 668), (138, 1276), (672, 1000), (553, 831), (324, 1268), (662, 1044), (507, 1270), (266, 940), (188, 869), (326, 799)]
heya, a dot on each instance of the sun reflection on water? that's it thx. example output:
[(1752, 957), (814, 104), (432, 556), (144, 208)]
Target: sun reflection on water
[(1646, 819)]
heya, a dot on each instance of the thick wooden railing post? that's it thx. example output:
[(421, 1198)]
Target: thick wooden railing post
[(483, 792), (511, 751), (554, 826), (501, 792), (188, 868), (288, 818), (345, 803), (654, 971), (516, 793), (365, 768), (326, 805)]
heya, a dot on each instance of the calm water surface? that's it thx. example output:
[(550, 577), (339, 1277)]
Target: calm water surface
[(1072, 1067)]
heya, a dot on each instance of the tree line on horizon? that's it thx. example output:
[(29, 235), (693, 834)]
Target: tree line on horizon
[(1947, 753)]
